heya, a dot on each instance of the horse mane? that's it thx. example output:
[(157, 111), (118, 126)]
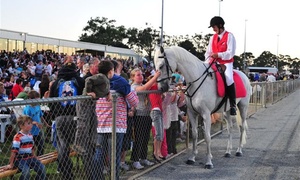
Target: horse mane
[(184, 55)]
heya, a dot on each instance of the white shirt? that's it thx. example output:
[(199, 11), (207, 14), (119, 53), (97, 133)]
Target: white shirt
[(49, 69), (31, 69), (271, 78), (228, 54)]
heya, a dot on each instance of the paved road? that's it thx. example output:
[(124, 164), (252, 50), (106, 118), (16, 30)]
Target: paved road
[(272, 150)]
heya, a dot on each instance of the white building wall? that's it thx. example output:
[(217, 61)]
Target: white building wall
[(22, 36)]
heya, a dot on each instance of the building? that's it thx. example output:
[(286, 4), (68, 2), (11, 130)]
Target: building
[(14, 40)]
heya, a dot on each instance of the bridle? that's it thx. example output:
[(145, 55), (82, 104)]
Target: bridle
[(168, 67), (206, 73)]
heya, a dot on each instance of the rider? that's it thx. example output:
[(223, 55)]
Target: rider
[(222, 48)]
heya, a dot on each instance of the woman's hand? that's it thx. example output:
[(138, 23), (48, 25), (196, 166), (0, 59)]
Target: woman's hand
[(91, 94), (157, 74)]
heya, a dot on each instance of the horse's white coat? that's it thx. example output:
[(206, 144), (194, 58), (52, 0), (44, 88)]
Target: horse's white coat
[(205, 99)]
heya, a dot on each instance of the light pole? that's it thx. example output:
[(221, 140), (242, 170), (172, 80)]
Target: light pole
[(245, 40), (220, 7), (162, 25), (277, 51)]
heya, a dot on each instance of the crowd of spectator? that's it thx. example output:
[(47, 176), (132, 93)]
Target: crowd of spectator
[(269, 77), (21, 72)]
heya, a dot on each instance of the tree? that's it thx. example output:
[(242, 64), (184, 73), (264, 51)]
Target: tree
[(246, 58), (238, 62), (266, 59), (145, 39), (103, 31), (201, 42), (172, 40), (188, 45)]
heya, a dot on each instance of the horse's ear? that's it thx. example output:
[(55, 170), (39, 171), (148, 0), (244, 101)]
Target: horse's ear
[(162, 49)]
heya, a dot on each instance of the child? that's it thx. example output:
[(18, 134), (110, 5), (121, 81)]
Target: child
[(96, 86), (104, 111), (22, 153), (172, 113), (157, 121), (34, 111)]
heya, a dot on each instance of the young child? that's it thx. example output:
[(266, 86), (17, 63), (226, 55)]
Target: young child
[(96, 86), (157, 122), (104, 111), (34, 111), (22, 153)]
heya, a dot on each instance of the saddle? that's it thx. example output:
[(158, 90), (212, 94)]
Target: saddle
[(219, 70)]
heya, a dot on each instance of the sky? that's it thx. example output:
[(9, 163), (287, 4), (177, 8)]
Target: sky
[(268, 25)]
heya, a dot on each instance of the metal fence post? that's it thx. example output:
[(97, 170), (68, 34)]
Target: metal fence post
[(113, 136)]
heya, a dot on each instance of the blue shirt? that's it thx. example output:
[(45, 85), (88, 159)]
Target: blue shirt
[(35, 113), (4, 110), (2, 96)]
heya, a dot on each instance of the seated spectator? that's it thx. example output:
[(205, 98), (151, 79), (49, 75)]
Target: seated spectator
[(39, 69), (44, 85), (24, 93), (8, 84), (22, 154), (3, 97), (86, 69), (16, 89)]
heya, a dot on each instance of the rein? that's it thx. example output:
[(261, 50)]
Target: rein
[(206, 73)]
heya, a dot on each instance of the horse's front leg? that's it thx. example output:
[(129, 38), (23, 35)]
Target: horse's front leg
[(194, 123), (207, 128)]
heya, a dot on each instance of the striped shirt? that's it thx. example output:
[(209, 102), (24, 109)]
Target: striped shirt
[(23, 145), (104, 113)]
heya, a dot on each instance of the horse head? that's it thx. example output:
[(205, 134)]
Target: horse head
[(162, 64)]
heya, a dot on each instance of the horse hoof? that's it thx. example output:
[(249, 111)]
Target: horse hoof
[(190, 162), (209, 166), (238, 154), (227, 155)]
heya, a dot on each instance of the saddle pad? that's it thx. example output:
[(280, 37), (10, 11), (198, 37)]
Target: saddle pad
[(240, 89)]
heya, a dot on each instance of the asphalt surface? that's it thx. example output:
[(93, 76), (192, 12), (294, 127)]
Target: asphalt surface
[(272, 150)]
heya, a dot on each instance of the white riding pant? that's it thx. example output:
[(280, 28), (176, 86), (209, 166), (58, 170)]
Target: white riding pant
[(229, 73)]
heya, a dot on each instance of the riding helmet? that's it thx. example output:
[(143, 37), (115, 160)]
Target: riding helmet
[(217, 20)]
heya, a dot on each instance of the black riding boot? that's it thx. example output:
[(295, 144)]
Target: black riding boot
[(231, 95)]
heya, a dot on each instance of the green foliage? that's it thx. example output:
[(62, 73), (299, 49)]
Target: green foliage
[(143, 40), (266, 59), (103, 31)]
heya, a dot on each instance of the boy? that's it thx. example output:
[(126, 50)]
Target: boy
[(96, 86), (34, 111), (22, 153)]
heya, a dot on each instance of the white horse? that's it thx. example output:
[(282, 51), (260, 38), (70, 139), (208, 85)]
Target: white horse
[(201, 96)]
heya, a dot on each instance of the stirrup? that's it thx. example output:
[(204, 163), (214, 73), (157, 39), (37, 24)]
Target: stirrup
[(233, 111)]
